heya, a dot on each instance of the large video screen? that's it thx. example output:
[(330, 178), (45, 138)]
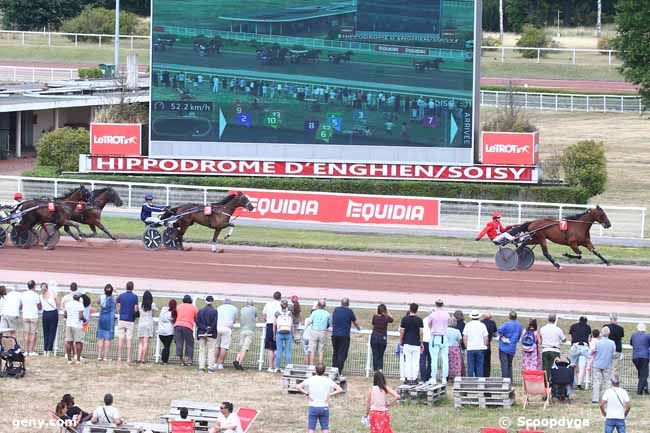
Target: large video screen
[(367, 80)]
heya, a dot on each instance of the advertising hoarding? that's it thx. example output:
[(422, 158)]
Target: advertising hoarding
[(121, 139), (510, 148)]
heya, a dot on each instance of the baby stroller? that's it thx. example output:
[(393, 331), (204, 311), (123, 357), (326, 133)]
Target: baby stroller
[(12, 360), (562, 374)]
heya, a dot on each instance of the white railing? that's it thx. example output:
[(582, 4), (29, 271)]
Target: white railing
[(463, 214), (564, 101), (504, 54), (33, 74)]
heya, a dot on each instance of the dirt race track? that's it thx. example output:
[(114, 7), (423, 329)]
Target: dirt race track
[(365, 276)]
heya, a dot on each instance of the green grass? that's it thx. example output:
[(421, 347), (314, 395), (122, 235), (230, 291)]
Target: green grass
[(123, 227), (84, 54)]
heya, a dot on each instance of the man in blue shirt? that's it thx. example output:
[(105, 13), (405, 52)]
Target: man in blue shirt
[(602, 365), (148, 208), (320, 321), (128, 307), (509, 334), (342, 319)]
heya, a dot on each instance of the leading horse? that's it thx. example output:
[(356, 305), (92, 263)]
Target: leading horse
[(575, 234), (216, 216)]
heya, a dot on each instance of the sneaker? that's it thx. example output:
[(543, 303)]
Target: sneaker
[(270, 370), (220, 367), (33, 354), (211, 369), (78, 362), (431, 382), (70, 361), (236, 364)]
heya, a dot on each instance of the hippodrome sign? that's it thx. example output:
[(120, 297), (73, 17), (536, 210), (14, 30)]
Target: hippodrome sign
[(416, 87)]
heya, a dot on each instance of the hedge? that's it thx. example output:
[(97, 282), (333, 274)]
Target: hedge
[(508, 192)]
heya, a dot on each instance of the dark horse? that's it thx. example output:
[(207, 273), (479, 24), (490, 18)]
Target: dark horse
[(90, 213), (217, 217), (575, 236), (52, 211)]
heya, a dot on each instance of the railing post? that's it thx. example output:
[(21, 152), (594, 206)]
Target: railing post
[(166, 196), (572, 103), (574, 56), (538, 54), (23, 39), (260, 361), (131, 42), (604, 104), (642, 223), (157, 352), (76, 39), (518, 213), (368, 353), (49, 39), (496, 98), (33, 75), (556, 100), (478, 219), (587, 103), (100, 41), (526, 99), (560, 212), (205, 196), (503, 54), (609, 57), (56, 188), (130, 194)]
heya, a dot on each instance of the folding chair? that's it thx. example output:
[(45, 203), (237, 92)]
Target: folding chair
[(493, 430), (181, 426), (536, 383)]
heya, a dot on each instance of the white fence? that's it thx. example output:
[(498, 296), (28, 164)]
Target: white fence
[(463, 214), (503, 54), (29, 74), (564, 102)]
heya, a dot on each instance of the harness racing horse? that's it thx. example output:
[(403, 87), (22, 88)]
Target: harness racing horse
[(575, 236), (216, 216), (90, 213), (50, 211)]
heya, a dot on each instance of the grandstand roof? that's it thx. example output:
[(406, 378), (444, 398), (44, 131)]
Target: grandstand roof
[(300, 13)]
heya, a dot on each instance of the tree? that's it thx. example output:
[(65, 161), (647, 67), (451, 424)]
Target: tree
[(585, 166), (509, 118), (532, 37), (100, 20), (39, 14), (61, 148), (633, 43)]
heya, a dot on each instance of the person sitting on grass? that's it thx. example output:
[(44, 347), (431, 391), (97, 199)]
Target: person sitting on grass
[(227, 420), (107, 414), (74, 412)]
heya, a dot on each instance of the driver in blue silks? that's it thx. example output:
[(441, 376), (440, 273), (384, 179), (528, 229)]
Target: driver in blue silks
[(148, 208)]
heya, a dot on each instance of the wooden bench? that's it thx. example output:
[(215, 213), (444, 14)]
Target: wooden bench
[(203, 414), (424, 393), (295, 374), (483, 392), (135, 427)]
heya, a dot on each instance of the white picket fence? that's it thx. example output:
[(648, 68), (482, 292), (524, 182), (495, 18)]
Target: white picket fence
[(33, 74), (463, 214)]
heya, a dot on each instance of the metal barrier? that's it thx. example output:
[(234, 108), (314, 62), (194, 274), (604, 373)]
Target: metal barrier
[(53, 39), (465, 214), (19, 73)]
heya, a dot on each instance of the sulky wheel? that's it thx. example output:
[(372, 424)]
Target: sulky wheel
[(170, 239), (3, 237), (42, 234), (152, 239), (526, 258), (54, 239), (20, 236), (506, 259), (33, 238)]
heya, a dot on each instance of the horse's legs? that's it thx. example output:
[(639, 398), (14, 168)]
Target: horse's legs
[(591, 248), (66, 226), (576, 249), (215, 240), (102, 228), (181, 233), (549, 257)]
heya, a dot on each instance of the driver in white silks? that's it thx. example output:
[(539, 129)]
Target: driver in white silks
[(148, 208)]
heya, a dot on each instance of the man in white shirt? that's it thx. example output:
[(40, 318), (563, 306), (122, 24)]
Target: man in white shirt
[(74, 335), (68, 297), (31, 305), (268, 315), (226, 318), (107, 414), (475, 337), (551, 337), (227, 420), (10, 312), (319, 389), (615, 406)]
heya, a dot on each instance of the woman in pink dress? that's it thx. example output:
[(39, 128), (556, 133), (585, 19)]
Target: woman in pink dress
[(530, 358)]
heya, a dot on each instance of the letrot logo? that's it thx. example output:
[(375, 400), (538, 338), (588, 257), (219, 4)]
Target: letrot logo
[(114, 139), (507, 148)]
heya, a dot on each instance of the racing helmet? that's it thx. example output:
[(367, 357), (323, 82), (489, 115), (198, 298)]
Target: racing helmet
[(496, 215), (18, 196), (148, 196)]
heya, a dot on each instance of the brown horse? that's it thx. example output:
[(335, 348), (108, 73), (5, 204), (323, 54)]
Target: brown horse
[(90, 213), (575, 236), (217, 217), (49, 211)]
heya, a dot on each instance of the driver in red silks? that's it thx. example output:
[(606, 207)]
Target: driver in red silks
[(18, 198), (496, 231)]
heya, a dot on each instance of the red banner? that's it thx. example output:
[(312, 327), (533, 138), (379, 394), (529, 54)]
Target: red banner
[(472, 173), (123, 139), (246, 416), (510, 148), (342, 208)]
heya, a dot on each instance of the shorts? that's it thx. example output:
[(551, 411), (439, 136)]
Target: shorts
[(318, 415), (124, 327), (223, 338), (317, 342), (9, 322), (76, 335), (29, 326), (579, 354), (245, 340), (269, 342)]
